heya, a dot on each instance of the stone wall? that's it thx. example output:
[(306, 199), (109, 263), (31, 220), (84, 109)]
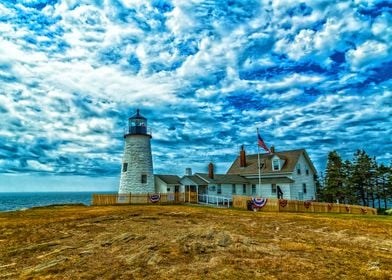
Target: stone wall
[(137, 153)]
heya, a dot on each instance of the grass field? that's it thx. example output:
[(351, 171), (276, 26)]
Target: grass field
[(184, 242)]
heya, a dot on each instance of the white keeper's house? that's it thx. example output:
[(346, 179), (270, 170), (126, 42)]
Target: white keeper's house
[(286, 174)]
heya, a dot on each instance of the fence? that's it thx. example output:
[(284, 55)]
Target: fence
[(164, 198), (284, 205), (272, 205), (214, 200)]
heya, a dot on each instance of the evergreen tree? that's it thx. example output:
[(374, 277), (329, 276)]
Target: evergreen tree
[(362, 177), (382, 182), (361, 181), (385, 181), (333, 190)]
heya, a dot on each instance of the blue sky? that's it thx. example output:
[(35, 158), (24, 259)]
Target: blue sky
[(310, 74)]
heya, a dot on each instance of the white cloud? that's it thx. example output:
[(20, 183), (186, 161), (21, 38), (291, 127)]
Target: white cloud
[(370, 54), (382, 27)]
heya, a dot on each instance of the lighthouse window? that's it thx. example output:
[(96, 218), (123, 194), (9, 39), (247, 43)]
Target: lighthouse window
[(144, 178), (125, 167)]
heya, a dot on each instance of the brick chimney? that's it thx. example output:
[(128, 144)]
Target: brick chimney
[(211, 170), (272, 149), (242, 157)]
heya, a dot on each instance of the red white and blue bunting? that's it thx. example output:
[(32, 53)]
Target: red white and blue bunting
[(154, 198), (259, 202)]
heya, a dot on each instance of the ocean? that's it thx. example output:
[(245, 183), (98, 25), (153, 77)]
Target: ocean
[(21, 201)]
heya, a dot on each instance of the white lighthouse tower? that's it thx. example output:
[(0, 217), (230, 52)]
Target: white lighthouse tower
[(137, 172)]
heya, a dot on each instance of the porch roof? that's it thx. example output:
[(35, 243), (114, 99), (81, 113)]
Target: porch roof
[(223, 179), (272, 180)]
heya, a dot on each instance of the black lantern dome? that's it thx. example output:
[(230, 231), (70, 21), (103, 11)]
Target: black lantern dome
[(137, 125)]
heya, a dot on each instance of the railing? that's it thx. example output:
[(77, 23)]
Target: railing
[(284, 205), (137, 130), (213, 199)]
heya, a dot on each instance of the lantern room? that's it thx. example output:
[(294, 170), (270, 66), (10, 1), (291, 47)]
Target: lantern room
[(137, 125)]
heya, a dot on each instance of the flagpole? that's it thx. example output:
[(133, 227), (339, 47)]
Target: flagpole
[(258, 164)]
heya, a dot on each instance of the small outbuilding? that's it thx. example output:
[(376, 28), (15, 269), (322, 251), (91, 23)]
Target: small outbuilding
[(168, 184)]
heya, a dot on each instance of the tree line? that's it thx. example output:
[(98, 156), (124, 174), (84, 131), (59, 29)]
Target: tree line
[(360, 181)]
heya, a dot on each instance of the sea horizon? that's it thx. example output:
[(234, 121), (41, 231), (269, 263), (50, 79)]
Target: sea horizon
[(17, 201)]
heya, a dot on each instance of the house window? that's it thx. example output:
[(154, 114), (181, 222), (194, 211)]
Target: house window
[(125, 167), (233, 188), (244, 188), (307, 172), (273, 188), (219, 190), (144, 179), (275, 164), (298, 169), (253, 189), (168, 189), (212, 188), (304, 188)]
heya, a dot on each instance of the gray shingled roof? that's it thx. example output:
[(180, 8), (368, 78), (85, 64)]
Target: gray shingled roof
[(197, 180), (290, 157), (169, 179)]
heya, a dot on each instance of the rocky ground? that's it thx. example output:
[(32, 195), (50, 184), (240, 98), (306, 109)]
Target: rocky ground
[(189, 242)]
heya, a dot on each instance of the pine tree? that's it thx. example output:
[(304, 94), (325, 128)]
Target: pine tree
[(362, 177), (383, 174), (333, 178), (384, 182)]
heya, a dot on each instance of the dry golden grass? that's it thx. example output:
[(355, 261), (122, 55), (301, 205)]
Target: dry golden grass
[(183, 242)]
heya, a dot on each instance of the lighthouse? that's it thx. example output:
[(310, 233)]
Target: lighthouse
[(136, 171)]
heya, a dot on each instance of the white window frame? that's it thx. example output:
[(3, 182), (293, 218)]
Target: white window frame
[(273, 164)]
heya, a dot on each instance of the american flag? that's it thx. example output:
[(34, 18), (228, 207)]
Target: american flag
[(261, 143)]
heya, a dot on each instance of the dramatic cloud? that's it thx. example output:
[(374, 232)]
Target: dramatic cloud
[(313, 75)]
